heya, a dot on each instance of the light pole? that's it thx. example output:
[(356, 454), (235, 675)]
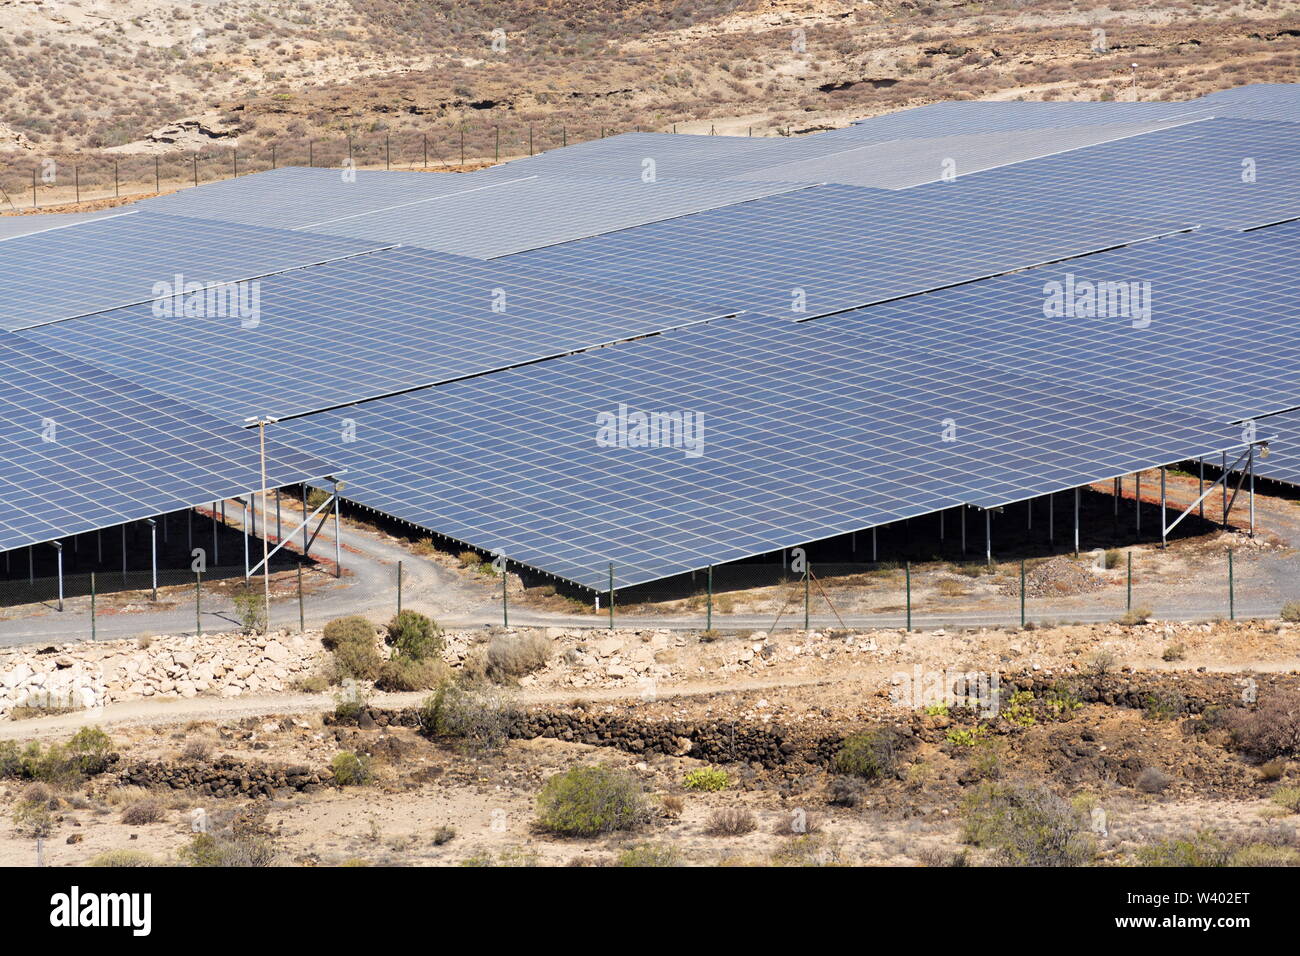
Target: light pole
[(1134, 67), (261, 422)]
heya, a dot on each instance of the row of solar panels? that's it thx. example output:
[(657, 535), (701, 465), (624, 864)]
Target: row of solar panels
[(811, 427)]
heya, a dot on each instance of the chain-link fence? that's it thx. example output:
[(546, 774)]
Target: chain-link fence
[(46, 181)]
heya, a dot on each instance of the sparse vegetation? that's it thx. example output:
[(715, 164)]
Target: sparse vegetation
[(1026, 825), (707, 779), (730, 822), (351, 769), (869, 754), (588, 801)]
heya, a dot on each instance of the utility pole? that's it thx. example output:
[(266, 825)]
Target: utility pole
[(261, 422)]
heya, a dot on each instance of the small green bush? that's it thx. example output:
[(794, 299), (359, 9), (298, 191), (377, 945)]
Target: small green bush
[(357, 661), (401, 673), (353, 629), (89, 749), (480, 719), (1026, 825), (115, 858), (32, 818), (250, 608), (707, 779), (1201, 849), (869, 754), (1137, 615), (647, 854), (1291, 612), (588, 801), (351, 769), (1287, 797), (415, 636)]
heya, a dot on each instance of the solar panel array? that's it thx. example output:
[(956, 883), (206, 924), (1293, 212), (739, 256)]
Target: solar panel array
[(81, 449), (835, 247), (1232, 173), (833, 339), (360, 328), (802, 431), (93, 266)]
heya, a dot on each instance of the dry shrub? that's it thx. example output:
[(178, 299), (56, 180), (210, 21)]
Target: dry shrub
[(797, 823), (730, 822), (1270, 730), (197, 748), (144, 811), (511, 656)]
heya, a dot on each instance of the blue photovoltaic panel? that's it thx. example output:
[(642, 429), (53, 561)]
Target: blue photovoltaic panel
[(81, 449), (1259, 101), (537, 211), (1221, 172), (804, 434), (1220, 342), (899, 164), (299, 197), (120, 260), (829, 248), (358, 328), (13, 226), (947, 118)]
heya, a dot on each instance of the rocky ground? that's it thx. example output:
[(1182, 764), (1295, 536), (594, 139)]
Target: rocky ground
[(1127, 723)]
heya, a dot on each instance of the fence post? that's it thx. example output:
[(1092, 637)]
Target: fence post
[(198, 603), (157, 175), (311, 152), (462, 145), (1022, 593), (708, 619), (498, 153), (907, 573), (611, 595), (273, 165), (1232, 598), (807, 572), (92, 605), (117, 188), (235, 163), (1129, 605), (505, 593), (34, 206), (302, 619), (424, 138), (399, 588), (530, 139), (195, 162), (564, 136), (388, 151)]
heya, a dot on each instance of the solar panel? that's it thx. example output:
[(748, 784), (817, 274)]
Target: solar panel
[(899, 164), (983, 116), (298, 197), (359, 328), (12, 226), (1259, 101), (125, 259), (1221, 172), (1219, 339), (536, 211), (787, 453), (81, 449), (830, 248)]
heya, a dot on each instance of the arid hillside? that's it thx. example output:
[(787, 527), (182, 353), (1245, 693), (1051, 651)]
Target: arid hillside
[(149, 75)]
